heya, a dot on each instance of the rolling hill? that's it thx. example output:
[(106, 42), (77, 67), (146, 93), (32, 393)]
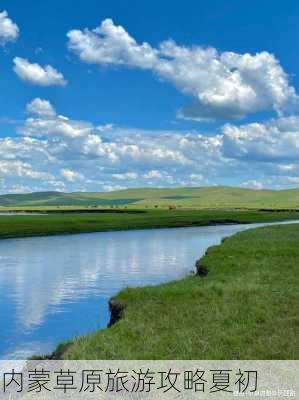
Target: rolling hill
[(201, 197)]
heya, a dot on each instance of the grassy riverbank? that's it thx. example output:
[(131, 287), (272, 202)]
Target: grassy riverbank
[(59, 223), (245, 308)]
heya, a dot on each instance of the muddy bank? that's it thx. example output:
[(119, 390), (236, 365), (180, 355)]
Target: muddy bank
[(116, 309)]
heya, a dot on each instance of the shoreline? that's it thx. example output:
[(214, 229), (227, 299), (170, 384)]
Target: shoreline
[(118, 307), (174, 314), (116, 313), (212, 223)]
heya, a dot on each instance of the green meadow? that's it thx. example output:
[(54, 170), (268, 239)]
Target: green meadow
[(203, 197), (56, 223), (245, 308)]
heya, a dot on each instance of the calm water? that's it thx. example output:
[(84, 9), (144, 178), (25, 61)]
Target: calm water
[(7, 214), (53, 288)]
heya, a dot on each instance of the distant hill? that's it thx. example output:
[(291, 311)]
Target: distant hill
[(217, 196)]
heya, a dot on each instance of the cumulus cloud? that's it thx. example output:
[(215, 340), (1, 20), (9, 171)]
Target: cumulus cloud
[(41, 108), (274, 141), (9, 30), (58, 125), (153, 174), (35, 74), (253, 184), (45, 121), (55, 152), (110, 44), (197, 178), (126, 176), (71, 175), (21, 169), (287, 167), (112, 188), (106, 155), (85, 139), (27, 149), (293, 179), (223, 85)]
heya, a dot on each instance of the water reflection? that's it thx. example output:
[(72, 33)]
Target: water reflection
[(54, 288)]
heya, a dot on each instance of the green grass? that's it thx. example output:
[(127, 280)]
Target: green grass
[(59, 223), (245, 308), (202, 197)]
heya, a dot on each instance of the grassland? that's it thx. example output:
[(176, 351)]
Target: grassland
[(68, 223), (245, 308), (188, 197)]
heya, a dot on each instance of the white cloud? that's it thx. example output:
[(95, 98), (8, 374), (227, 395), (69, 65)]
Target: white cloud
[(287, 167), (59, 125), (293, 179), (101, 152), (59, 153), (110, 44), (9, 30), (153, 174), (21, 169), (273, 141), (19, 189), (111, 188), (27, 149), (70, 175), (223, 85), (85, 139), (197, 178), (45, 121), (126, 176), (35, 74), (253, 184), (41, 108)]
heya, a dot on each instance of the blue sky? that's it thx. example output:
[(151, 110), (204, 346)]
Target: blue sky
[(102, 96)]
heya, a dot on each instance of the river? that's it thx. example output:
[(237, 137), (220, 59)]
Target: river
[(54, 288)]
